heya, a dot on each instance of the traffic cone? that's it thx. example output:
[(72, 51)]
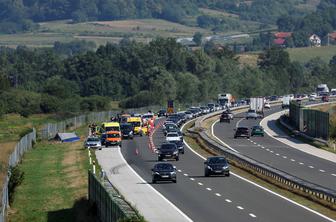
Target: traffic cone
[(136, 151)]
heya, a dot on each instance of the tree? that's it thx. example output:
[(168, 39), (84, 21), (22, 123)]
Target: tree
[(197, 38)]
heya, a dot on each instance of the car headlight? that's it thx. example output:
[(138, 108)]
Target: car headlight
[(130, 133), (176, 152), (225, 167), (173, 173), (209, 168), (156, 173)]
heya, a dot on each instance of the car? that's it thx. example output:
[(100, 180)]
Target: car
[(162, 112), (92, 142), (179, 144), (189, 115), (126, 130), (163, 172), (103, 139), (312, 98), (325, 98), (172, 136), (113, 138), (251, 114), (168, 151), (229, 113), (225, 118), (242, 131), (257, 131), (267, 105), (169, 128), (216, 165)]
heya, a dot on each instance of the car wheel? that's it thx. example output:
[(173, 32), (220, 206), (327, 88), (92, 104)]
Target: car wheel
[(206, 174), (228, 174), (174, 181), (177, 158), (248, 137), (160, 159), (182, 152), (154, 181)]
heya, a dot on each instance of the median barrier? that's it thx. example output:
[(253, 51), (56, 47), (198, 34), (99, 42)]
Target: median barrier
[(315, 192)]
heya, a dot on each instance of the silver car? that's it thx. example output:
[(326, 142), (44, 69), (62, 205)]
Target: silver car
[(92, 142)]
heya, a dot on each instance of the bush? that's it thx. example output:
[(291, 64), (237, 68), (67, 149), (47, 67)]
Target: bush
[(16, 178), (95, 103), (50, 104), (143, 98)]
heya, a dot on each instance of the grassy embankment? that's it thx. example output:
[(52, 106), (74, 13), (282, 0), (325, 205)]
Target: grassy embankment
[(55, 183), (206, 152)]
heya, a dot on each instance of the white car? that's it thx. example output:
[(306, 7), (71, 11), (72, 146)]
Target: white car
[(312, 98), (189, 115), (267, 105), (172, 137), (251, 114)]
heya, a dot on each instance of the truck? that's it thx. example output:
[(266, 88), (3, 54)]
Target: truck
[(225, 99), (285, 102), (322, 89), (257, 104)]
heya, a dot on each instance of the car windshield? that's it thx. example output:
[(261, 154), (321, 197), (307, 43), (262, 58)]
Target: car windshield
[(112, 128), (251, 111), (172, 135), (126, 126), (135, 124), (113, 135), (257, 127), (168, 146), (217, 160), (242, 129), (93, 139), (163, 166)]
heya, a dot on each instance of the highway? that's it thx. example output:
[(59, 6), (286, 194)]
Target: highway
[(215, 198), (276, 154)]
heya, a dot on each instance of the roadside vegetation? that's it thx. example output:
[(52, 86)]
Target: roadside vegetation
[(54, 187)]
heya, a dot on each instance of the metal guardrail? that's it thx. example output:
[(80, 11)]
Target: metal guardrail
[(25, 144), (109, 205), (324, 196)]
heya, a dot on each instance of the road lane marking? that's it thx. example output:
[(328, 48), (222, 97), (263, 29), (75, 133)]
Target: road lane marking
[(255, 184), (333, 174), (208, 188), (240, 208), (262, 147), (201, 184), (218, 194), (185, 174), (284, 157), (292, 160), (227, 200), (252, 215), (311, 167), (192, 179), (277, 154), (301, 163), (179, 171)]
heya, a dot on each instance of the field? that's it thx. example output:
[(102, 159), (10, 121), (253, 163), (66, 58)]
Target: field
[(100, 32), (303, 55), (55, 185)]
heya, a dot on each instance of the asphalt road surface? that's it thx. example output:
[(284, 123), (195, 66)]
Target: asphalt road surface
[(215, 198), (276, 154)]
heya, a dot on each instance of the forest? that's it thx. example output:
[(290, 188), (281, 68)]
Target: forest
[(137, 74)]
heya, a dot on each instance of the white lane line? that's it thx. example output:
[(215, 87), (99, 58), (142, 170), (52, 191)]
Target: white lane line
[(212, 133), (262, 147), (179, 171), (277, 154), (301, 163), (185, 174), (218, 194), (240, 208), (252, 215), (292, 160), (259, 145), (333, 174), (237, 124), (192, 179), (227, 200), (208, 188), (255, 184), (311, 167), (284, 157), (268, 149), (254, 143), (157, 192), (201, 184), (323, 171)]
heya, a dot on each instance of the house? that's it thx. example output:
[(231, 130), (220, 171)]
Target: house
[(332, 37), (282, 35), (280, 42), (315, 41)]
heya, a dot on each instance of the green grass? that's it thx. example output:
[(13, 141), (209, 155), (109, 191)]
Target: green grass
[(303, 55), (55, 184)]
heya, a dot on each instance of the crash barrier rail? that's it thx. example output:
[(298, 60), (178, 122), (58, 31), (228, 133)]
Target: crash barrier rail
[(110, 207), (25, 144), (312, 123), (50, 130), (324, 196)]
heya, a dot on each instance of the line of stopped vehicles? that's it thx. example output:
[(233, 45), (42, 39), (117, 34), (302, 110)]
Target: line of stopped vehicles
[(126, 126)]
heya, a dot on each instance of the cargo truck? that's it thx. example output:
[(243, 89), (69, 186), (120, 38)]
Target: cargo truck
[(257, 104), (225, 99), (285, 102)]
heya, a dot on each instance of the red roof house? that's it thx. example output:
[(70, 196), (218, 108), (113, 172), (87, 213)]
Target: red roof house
[(282, 35), (279, 41), (332, 35)]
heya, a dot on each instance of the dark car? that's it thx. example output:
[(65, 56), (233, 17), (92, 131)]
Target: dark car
[(163, 172), (162, 112), (257, 131), (225, 117), (242, 132), (126, 130), (103, 139), (216, 165), (179, 144), (168, 151), (170, 128), (325, 98)]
